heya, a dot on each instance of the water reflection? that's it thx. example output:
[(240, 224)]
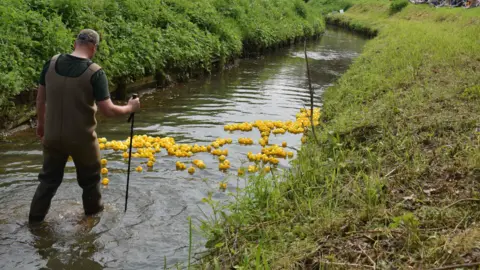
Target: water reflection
[(50, 244)]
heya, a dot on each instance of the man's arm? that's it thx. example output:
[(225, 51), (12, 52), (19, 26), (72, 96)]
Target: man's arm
[(107, 108), (41, 97), (102, 97)]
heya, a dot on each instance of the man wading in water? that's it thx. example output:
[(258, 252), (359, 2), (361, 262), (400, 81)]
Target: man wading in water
[(70, 84)]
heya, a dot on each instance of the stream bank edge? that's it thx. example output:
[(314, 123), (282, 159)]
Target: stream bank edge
[(394, 180)]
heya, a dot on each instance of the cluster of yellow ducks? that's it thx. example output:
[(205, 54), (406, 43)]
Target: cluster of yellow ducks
[(104, 171), (219, 152), (262, 157), (224, 164), (147, 146), (245, 141), (243, 127), (199, 163)]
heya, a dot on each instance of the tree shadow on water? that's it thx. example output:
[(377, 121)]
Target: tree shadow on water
[(72, 250)]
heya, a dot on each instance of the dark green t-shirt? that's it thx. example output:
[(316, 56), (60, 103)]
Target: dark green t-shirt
[(71, 66)]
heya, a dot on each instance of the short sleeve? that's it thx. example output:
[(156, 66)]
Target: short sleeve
[(100, 86)]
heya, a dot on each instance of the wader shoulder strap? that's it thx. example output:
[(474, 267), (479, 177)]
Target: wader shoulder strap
[(87, 75), (53, 62)]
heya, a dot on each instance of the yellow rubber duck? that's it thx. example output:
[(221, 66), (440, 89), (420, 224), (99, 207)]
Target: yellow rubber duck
[(104, 171), (191, 170), (274, 160), (105, 181), (180, 165), (103, 161), (266, 169), (150, 163), (199, 163), (221, 158), (241, 171), (139, 169), (224, 165), (284, 144), (262, 142), (223, 185)]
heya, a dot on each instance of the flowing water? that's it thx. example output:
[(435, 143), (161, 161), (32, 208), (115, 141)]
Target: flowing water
[(155, 228)]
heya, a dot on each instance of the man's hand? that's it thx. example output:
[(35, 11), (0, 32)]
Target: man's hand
[(134, 104)]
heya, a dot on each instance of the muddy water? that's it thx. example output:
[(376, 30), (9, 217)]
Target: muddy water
[(154, 230)]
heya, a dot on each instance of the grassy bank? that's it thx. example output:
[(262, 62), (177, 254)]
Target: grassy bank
[(142, 37), (394, 180)]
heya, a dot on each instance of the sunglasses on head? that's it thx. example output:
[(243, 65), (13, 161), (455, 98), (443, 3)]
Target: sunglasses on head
[(83, 37)]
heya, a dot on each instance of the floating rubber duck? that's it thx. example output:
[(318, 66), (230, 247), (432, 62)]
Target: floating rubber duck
[(266, 169), (223, 185), (278, 131), (191, 170), (221, 158), (224, 165), (262, 142), (199, 163), (284, 144), (246, 141), (103, 161), (240, 171), (139, 169), (150, 163), (274, 161), (252, 168), (104, 171), (105, 181), (180, 165)]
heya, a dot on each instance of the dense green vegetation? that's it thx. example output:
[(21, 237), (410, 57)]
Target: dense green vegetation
[(143, 37), (394, 180), (397, 6)]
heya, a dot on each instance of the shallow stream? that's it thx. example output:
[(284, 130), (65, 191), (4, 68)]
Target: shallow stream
[(155, 227)]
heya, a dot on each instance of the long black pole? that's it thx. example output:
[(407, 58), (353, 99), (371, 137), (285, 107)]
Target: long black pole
[(131, 119)]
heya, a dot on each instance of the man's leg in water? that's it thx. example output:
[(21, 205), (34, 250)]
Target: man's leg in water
[(50, 179), (87, 163)]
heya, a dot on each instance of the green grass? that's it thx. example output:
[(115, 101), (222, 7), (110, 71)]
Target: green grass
[(142, 37), (394, 181)]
